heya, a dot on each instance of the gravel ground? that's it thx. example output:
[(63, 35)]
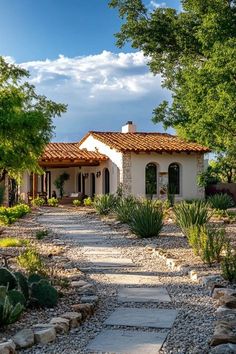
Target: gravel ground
[(194, 325)]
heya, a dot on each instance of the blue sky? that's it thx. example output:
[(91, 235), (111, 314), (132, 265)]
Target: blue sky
[(69, 48)]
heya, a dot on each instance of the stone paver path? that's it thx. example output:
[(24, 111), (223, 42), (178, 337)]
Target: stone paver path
[(128, 342), (100, 255)]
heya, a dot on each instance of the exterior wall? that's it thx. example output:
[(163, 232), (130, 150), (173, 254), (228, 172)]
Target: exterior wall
[(127, 173), (190, 166), (114, 164)]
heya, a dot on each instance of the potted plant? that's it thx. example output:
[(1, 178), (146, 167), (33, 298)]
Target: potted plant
[(60, 181)]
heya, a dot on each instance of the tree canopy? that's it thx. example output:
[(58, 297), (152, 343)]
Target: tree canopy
[(26, 124), (195, 52)]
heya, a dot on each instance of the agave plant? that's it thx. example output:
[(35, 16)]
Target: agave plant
[(147, 220), (125, 208), (104, 204), (191, 214), (221, 201)]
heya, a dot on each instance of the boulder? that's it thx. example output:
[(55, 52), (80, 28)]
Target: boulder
[(62, 325), (78, 283), (89, 299), (85, 309), (87, 290), (224, 349), (210, 280), (24, 339), (73, 317), (223, 339), (7, 347), (44, 334), (225, 311), (228, 301), (219, 292)]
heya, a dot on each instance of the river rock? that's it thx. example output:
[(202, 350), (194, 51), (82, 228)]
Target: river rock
[(73, 317), (44, 334), (7, 347), (24, 339), (62, 325), (85, 309), (228, 301)]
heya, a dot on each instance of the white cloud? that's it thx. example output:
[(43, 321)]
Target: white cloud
[(102, 91), (157, 5)]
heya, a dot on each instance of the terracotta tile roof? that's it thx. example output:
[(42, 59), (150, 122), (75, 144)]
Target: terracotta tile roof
[(69, 151), (145, 142)]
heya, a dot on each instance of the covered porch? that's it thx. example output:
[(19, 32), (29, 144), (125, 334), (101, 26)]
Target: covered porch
[(87, 170)]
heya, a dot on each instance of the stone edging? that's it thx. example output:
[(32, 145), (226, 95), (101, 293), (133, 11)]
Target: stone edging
[(44, 333), (224, 337)]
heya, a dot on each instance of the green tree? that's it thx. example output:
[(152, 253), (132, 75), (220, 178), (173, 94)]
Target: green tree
[(195, 52), (26, 124)]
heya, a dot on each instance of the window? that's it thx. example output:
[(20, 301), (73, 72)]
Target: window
[(106, 181), (174, 178), (151, 179)]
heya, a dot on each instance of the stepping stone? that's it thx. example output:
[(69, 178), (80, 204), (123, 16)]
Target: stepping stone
[(143, 295), (132, 279), (133, 317), (127, 342), (101, 250), (112, 262)]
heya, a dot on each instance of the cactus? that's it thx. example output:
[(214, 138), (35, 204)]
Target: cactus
[(7, 279), (34, 278), (46, 294), (8, 313), (15, 297), (23, 284)]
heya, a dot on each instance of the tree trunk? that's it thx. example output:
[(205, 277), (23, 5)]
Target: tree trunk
[(6, 191)]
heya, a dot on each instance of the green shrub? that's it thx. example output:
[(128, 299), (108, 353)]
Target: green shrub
[(8, 313), (7, 279), (46, 294), (104, 204), (23, 284), (190, 214), (53, 202), (221, 201), (15, 297), (12, 242), (40, 234), (228, 265), (31, 261), (38, 201), (207, 242), (124, 209), (147, 220), (77, 202), (10, 215), (88, 201)]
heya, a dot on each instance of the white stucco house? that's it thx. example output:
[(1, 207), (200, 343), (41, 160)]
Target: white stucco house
[(144, 163)]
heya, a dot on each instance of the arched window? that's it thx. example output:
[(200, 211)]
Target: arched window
[(151, 179), (106, 181), (174, 178)]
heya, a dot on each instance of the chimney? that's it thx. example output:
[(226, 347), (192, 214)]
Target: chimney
[(129, 127)]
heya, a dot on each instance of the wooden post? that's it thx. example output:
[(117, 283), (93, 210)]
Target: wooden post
[(6, 191), (35, 185)]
